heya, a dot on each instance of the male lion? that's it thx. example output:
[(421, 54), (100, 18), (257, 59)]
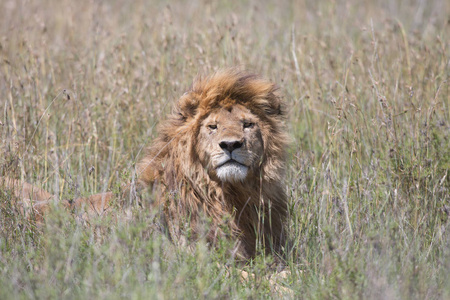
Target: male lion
[(221, 153), (219, 159)]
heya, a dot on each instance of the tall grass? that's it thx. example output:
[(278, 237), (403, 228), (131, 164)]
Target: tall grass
[(83, 85)]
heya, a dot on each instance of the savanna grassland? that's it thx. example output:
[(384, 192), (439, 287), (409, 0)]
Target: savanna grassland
[(84, 84)]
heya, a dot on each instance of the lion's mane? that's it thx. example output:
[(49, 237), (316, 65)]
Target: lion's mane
[(251, 214)]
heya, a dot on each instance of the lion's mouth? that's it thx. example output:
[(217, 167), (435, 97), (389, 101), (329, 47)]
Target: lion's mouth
[(230, 162), (231, 171)]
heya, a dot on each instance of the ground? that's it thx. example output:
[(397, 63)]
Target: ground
[(83, 85)]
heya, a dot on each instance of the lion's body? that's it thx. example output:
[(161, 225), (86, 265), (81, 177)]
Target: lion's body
[(221, 155), (34, 202)]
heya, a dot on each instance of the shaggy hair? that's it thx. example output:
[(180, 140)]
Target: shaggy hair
[(251, 213)]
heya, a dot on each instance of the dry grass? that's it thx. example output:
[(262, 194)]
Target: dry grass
[(83, 84)]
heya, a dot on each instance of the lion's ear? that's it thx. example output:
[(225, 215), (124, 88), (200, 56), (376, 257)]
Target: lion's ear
[(276, 105), (187, 106)]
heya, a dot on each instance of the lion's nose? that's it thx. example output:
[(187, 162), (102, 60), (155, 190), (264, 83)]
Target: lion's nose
[(230, 145)]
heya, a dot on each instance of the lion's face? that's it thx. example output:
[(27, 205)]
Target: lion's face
[(230, 143)]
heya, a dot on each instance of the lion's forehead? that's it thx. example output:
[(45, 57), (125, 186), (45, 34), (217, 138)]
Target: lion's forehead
[(230, 114)]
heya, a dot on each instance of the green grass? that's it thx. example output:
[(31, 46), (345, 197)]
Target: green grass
[(84, 84)]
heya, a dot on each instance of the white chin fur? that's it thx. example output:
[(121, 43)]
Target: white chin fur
[(232, 172)]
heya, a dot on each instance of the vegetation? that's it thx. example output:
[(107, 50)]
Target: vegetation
[(83, 85)]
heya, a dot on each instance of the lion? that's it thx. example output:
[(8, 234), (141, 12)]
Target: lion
[(221, 154), (218, 166)]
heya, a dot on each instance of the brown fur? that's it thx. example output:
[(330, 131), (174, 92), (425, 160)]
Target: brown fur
[(249, 211), (35, 202)]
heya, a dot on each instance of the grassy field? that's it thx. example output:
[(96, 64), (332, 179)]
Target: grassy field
[(83, 85)]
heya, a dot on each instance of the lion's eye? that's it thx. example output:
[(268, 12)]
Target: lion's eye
[(248, 124), (212, 126)]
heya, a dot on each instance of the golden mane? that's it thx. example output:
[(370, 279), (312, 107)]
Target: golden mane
[(252, 213)]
